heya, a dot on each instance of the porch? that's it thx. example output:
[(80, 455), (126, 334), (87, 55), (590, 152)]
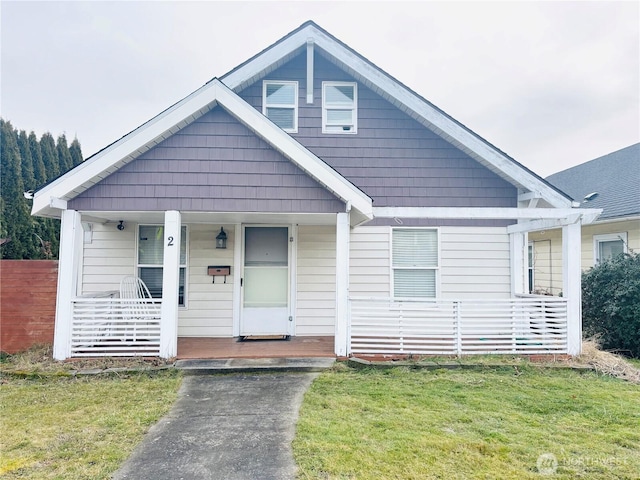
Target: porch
[(215, 348)]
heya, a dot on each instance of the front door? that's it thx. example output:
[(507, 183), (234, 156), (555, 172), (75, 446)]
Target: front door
[(265, 282)]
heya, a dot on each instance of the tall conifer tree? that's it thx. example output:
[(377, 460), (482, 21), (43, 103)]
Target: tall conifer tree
[(15, 214), (39, 172), (76, 152), (50, 156), (64, 157)]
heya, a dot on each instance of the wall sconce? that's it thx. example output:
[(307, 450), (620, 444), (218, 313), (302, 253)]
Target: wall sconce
[(120, 225), (221, 239)]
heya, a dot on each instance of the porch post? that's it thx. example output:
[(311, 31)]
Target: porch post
[(518, 244), (71, 246), (572, 285), (170, 285), (342, 284)]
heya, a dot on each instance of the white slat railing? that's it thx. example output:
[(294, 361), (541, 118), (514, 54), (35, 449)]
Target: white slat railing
[(115, 327), (522, 325)]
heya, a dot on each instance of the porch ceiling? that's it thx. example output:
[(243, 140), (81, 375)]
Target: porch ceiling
[(157, 217)]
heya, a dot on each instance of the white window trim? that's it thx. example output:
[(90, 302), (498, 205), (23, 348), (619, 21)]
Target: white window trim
[(354, 127), (436, 268), (184, 265), (531, 266), (281, 105), (607, 237)]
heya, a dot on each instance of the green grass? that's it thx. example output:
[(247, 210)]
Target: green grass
[(468, 424), (79, 428)]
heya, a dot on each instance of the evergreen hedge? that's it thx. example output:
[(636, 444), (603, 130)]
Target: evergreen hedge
[(611, 304)]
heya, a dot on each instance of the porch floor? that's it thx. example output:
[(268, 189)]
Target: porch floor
[(203, 348)]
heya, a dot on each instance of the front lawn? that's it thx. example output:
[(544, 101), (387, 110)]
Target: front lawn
[(78, 427), (490, 423)]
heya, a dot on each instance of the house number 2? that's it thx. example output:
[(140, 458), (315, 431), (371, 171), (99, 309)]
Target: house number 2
[(170, 241)]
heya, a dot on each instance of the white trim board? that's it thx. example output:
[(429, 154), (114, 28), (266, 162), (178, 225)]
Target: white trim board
[(588, 215)]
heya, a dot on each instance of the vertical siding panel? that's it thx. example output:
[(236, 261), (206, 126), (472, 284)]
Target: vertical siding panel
[(316, 275)]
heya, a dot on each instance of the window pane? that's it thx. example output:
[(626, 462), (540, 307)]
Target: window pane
[(281, 94), (152, 277), (266, 286), (150, 245), (339, 117), (183, 245), (415, 248), (339, 95), (414, 283), (610, 249), (282, 117), (266, 246)]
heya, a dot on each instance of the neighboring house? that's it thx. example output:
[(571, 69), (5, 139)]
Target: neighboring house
[(352, 208), (610, 183)]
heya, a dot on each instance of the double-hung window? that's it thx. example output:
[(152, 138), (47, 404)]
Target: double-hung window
[(608, 246), (415, 262), (151, 257), (280, 104), (339, 107)]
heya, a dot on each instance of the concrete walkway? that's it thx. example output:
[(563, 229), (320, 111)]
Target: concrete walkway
[(232, 427)]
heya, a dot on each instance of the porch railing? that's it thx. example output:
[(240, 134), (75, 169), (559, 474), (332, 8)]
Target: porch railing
[(521, 325), (108, 326)]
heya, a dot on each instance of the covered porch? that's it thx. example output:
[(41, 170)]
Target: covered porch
[(97, 324)]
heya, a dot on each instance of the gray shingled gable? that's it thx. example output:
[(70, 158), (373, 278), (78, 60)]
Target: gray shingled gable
[(615, 177)]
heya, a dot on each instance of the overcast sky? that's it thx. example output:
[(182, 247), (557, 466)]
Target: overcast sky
[(552, 84)]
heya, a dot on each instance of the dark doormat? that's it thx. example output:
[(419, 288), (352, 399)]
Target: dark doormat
[(263, 338)]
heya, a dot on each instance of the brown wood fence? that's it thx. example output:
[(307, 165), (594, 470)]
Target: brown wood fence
[(27, 303)]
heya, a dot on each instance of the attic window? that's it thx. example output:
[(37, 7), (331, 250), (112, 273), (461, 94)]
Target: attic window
[(280, 104), (339, 107)]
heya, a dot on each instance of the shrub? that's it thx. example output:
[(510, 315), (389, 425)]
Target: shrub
[(611, 303)]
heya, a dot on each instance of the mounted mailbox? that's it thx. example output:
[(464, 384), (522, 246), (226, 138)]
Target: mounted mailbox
[(219, 271)]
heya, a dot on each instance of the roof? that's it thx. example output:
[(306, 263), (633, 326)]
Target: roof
[(55, 194), (614, 177)]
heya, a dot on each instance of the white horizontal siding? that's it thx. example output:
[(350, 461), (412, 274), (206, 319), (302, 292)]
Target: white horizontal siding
[(109, 257), (474, 262), (316, 280), (209, 309), (369, 261)]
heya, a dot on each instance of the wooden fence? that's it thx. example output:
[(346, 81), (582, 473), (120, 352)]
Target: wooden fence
[(27, 303)]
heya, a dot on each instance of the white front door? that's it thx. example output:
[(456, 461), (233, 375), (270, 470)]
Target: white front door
[(266, 282)]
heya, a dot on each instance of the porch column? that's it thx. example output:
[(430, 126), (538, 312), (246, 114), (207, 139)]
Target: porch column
[(342, 284), (71, 246), (518, 245), (572, 285), (170, 285)]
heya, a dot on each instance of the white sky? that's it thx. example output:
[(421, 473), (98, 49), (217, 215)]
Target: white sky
[(552, 84)]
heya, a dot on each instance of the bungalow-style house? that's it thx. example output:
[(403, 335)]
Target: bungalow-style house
[(610, 183), (344, 203)]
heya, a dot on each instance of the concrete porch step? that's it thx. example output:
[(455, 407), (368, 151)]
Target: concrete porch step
[(229, 365)]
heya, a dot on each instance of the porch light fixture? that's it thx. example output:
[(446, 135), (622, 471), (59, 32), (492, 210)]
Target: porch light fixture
[(221, 239)]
